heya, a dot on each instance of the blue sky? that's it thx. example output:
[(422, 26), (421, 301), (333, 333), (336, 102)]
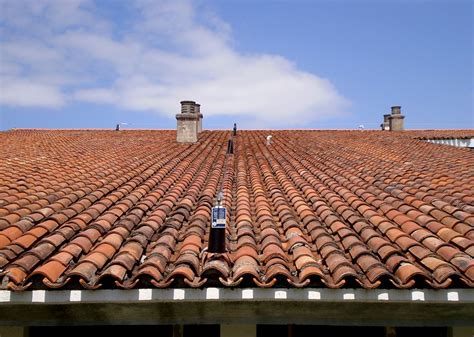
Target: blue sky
[(262, 64)]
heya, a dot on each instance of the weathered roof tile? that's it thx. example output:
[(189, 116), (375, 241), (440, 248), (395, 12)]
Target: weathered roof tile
[(314, 208)]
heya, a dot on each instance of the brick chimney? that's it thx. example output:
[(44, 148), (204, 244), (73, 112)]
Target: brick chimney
[(187, 123), (396, 119)]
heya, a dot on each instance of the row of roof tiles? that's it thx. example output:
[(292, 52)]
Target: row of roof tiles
[(315, 208)]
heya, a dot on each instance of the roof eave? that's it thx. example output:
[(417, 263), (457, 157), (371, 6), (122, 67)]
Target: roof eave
[(395, 307)]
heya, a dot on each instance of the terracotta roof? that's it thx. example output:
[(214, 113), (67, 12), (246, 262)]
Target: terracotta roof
[(89, 209)]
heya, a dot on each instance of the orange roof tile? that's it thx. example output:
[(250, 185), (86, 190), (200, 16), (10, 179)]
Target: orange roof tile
[(97, 208)]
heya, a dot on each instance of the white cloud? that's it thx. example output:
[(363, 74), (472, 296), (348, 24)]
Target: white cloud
[(17, 92), (64, 51), (106, 96)]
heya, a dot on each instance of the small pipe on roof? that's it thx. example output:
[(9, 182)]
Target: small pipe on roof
[(269, 140), (117, 127)]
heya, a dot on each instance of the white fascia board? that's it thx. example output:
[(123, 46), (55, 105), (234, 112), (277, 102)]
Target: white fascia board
[(240, 294)]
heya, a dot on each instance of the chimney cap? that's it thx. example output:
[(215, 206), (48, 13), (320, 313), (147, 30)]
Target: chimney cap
[(396, 110), (187, 116)]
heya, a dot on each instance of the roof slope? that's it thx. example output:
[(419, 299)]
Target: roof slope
[(315, 208)]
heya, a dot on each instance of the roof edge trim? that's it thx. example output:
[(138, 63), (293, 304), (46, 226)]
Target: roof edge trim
[(8, 297)]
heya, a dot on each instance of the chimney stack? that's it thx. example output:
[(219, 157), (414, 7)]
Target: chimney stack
[(197, 109), (386, 122), (396, 119), (188, 126)]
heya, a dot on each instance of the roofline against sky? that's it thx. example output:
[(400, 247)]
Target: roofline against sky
[(224, 129)]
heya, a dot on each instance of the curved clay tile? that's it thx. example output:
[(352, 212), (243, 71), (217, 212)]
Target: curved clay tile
[(317, 208)]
